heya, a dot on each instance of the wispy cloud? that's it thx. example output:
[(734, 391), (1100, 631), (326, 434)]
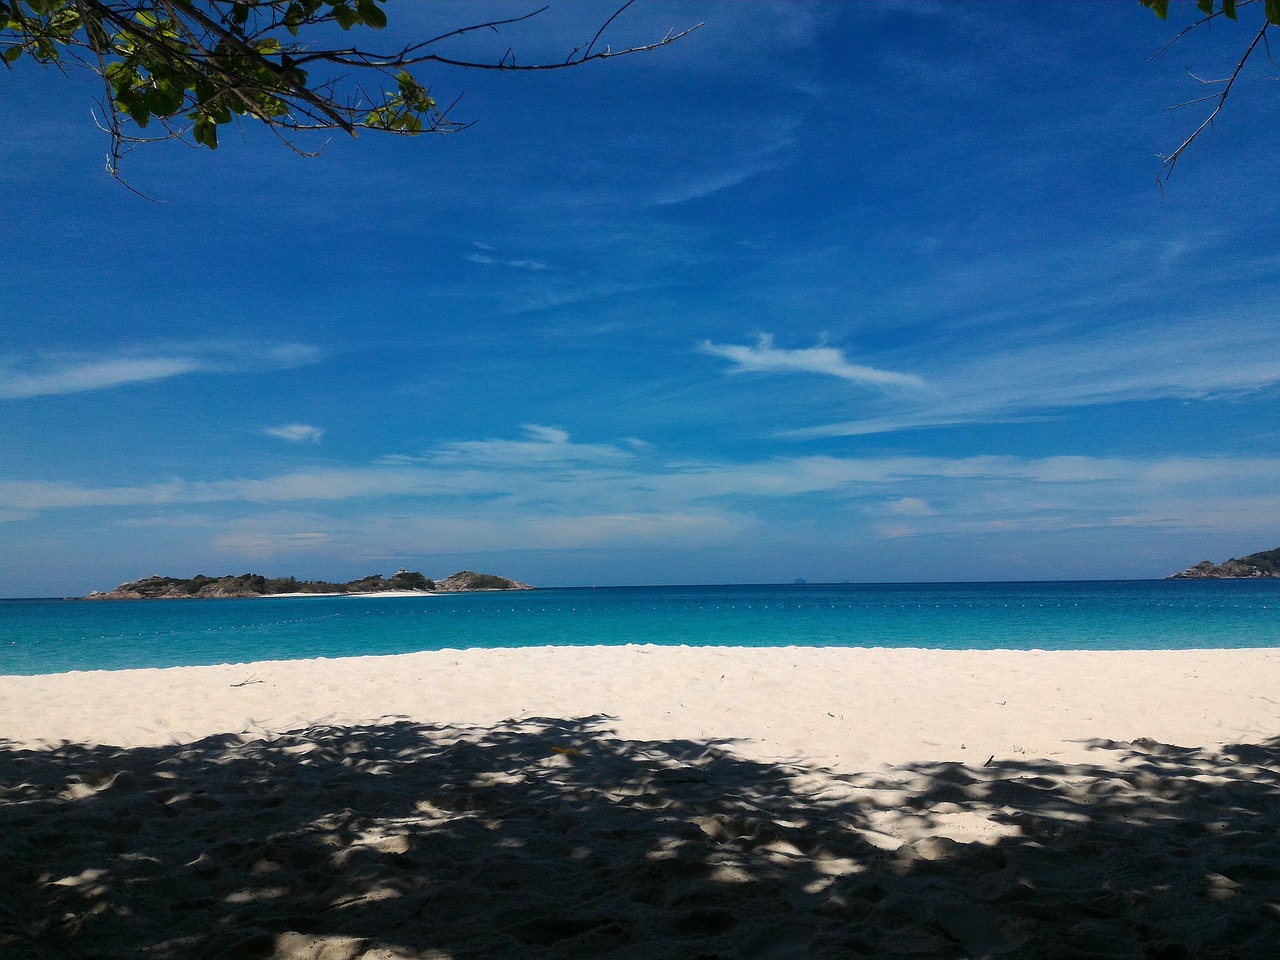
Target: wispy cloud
[(22, 378), (911, 507), (541, 445), (695, 188), (79, 377), (487, 260), (269, 540), (1186, 359), (742, 159), (764, 357), (558, 477), (545, 434), (276, 534), (295, 433), (543, 491)]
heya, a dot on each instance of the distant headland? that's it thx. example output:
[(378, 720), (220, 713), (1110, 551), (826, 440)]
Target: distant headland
[(1254, 566), (246, 585)]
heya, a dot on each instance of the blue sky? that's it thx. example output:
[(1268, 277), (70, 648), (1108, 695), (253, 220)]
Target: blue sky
[(864, 292)]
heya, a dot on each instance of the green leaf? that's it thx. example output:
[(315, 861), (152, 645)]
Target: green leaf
[(346, 17), (1159, 7), (136, 107), (1229, 9), (65, 22), (1273, 11), (1206, 7), (12, 54), (371, 13), (165, 99), (293, 15), (274, 107), (206, 132)]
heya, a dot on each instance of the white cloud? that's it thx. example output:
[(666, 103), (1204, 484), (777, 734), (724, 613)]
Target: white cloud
[(893, 531), (487, 260), (295, 433), (275, 534), (911, 507), (567, 531), (542, 445), (270, 543), (78, 377), (1186, 359), (545, 434), (764, 357), (720, 179), (560, 478), (489, 498), (22, 378)]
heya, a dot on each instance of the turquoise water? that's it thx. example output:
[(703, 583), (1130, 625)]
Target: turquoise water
[(52, 636)]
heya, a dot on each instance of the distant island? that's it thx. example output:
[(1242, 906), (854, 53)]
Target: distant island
[(1254, 566), (201, 587)]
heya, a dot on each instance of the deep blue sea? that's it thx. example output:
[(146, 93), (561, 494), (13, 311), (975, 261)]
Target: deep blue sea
[(52, 636)]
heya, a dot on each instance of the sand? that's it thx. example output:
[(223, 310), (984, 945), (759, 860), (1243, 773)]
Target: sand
[(647, 802), (349, 596)]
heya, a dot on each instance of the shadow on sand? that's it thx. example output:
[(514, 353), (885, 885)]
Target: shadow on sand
[(551, 838)]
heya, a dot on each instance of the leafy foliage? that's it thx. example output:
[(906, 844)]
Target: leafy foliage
[(192, 66), (410, 580)]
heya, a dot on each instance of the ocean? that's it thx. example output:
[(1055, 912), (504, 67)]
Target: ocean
[(54, 636)]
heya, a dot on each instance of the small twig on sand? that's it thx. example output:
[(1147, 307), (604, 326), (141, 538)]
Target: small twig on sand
[(245, 683)]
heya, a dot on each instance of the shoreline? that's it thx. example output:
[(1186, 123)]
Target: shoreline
[(837, 706), (373, 593)]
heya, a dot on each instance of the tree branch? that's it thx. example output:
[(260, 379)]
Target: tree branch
[(210, 61), (1166, 168), (284, 76)]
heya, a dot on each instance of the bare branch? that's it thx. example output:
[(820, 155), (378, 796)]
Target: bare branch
[(1186, 30), (605, 26), (1166, 168), (408, 56)]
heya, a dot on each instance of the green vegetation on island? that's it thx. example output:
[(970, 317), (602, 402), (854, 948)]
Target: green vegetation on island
[(201, 587), (1252, 567)]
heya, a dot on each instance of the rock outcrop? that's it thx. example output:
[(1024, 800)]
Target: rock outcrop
[(467, 580), (1252, 567), (201, 587)]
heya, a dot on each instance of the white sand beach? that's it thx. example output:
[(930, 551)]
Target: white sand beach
[(349, 596), (648, 802)]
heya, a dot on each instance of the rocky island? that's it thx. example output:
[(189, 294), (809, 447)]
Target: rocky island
[(201, 587), (1254, 566)]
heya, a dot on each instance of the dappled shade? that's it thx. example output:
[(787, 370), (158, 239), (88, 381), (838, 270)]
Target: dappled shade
[(549, 837)]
